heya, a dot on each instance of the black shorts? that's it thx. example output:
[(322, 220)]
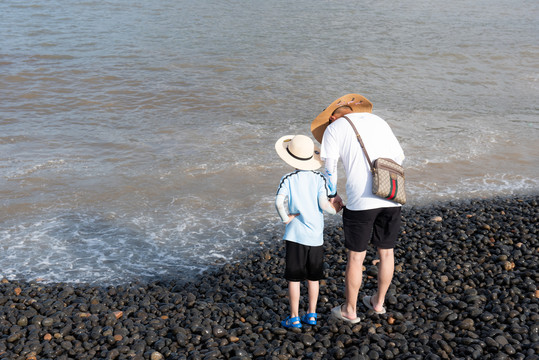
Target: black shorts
[(380, 226), (304, 262)]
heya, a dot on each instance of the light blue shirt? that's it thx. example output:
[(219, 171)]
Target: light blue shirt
[(303, 189)]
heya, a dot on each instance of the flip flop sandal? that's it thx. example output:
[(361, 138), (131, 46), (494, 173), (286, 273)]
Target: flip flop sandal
[(306, 319), (367, 302), (291, 322), (336, 312)]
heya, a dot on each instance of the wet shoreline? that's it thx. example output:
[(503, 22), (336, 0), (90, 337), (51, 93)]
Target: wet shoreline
[(465, 287)]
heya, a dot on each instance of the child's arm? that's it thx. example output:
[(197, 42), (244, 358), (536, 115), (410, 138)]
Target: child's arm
[(279, 205), (325, 205)]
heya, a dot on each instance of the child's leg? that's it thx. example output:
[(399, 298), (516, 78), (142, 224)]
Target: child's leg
[(315, 268), (314, 288), (293, 294)]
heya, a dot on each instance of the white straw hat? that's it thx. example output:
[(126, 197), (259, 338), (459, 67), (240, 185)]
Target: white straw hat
[(299, 151)]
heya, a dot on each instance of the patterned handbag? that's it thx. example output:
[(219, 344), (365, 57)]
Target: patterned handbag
[(387, 175)]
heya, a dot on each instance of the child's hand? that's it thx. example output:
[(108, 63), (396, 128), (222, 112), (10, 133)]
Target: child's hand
[(291, 217)]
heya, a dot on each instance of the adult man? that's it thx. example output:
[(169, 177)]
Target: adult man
[(366, 217)]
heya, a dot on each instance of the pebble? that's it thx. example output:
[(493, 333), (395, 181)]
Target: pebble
[(156, 356), (464, 288), (466, 324)]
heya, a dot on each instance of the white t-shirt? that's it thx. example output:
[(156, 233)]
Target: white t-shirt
[(340, 141)]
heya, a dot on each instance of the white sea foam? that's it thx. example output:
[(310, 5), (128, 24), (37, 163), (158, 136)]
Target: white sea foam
[(483, 186), (31, 169)]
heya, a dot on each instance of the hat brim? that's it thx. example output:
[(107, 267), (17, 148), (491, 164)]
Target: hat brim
[(357, 102), (313, 163)]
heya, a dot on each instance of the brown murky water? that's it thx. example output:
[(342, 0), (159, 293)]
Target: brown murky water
[(136, 137)]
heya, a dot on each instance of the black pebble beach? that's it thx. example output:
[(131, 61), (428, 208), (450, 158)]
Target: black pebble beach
[(465, 287)]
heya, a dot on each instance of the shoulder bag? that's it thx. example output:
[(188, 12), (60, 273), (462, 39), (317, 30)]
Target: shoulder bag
[(387, 175)]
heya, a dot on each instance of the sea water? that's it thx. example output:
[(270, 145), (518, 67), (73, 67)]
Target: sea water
[(137, 137)]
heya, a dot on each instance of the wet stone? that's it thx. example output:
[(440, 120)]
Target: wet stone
[(47, 322), (268, 302), (279, 331), (22, 321), (509, 349), (308, 340), (259, 351), (219, 331), (156, 356), (501, 340), (466, 324)]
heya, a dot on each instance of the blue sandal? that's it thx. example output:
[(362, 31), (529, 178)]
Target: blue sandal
[(307, 318), (291, 322)]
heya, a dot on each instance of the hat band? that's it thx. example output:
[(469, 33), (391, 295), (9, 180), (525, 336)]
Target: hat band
[(297, 157)]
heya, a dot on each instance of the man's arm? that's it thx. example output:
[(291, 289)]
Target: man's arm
[(330, 173)]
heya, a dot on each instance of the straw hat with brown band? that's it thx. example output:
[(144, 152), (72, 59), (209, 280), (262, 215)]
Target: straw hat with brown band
[(357, 102), (299, 151)]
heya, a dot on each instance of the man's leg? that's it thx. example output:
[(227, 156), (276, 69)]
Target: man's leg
[(386, 232), (385, 275), (353, 279)]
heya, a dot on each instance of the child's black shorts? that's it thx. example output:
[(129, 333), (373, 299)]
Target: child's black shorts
[(304, 262)]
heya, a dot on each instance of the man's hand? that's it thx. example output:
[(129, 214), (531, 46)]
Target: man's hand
[(337, 203)]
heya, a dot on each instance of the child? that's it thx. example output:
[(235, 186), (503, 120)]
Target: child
[(307, 193)]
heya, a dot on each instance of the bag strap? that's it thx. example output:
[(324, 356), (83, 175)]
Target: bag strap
[(361, 143)]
